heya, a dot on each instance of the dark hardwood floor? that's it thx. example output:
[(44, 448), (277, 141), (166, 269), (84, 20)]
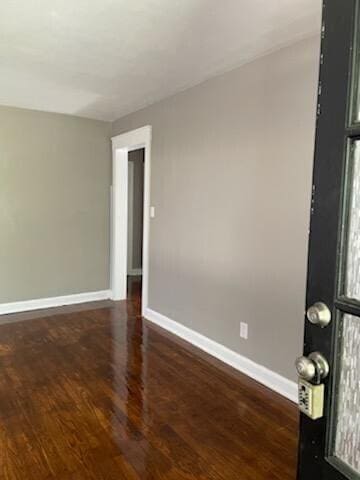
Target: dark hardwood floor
[(95, 392)]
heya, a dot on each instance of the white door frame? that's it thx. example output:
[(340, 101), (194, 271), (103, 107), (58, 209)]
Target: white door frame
[(121, 145)]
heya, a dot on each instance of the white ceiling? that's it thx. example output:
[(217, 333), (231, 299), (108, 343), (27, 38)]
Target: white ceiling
[(105, 58)]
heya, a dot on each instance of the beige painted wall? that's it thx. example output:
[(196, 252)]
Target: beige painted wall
[(231, 180), (55, 175)]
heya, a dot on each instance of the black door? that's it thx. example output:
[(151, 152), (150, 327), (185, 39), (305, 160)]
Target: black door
[(329, 372)]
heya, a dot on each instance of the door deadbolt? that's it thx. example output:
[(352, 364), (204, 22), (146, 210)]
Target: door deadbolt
[(314, 367), (319, 314)]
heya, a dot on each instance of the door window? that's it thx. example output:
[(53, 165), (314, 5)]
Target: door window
[(346, 446), (352, 268)]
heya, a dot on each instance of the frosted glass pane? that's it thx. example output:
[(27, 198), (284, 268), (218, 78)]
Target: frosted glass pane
[(347, 438), (352, 272)]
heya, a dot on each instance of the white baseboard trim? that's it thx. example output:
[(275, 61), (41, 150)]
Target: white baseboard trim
[(41, 303), (134, 272), (263, 375)]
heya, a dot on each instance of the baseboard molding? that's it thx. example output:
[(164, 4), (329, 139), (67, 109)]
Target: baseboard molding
[(41, 303), (263, 375), (134, 272)]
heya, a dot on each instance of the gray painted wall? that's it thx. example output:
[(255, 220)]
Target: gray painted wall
[(231, 180), (55, 174)]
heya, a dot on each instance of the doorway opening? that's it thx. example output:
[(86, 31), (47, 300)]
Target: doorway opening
[(130, 214), (135, 221)]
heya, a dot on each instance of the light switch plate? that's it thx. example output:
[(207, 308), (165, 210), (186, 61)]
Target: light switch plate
[(152, 212), (244, 330)]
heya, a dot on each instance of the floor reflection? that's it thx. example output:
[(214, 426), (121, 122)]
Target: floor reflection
[(129, 367)]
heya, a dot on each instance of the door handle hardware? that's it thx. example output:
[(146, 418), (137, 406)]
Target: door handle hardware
[(319, 314), (315, 367)]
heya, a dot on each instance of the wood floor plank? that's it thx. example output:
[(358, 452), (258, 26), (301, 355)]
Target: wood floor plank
[(100, 393)]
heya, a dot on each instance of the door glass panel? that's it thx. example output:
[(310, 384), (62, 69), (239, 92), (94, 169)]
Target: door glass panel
[(347, 425), (355, 100), (352, 271)]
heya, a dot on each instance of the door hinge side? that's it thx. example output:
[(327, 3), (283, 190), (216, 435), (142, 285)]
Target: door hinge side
[(313, 200)]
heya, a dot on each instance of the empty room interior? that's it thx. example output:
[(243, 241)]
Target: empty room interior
[(179, 248)]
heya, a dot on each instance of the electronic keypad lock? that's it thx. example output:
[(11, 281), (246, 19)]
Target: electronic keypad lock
[(313, 368), (311, 399)]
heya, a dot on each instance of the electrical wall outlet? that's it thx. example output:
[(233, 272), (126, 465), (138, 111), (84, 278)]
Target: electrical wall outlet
[(244, 330)]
